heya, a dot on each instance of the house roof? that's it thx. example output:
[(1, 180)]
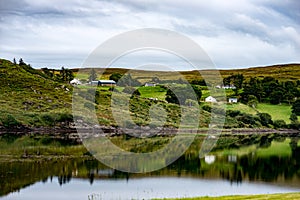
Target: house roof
[(107, 82)]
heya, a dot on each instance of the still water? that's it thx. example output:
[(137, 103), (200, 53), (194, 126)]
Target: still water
[(257, 165)]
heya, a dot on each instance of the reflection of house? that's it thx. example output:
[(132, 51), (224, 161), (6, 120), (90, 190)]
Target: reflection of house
[(210, 99), (209, 159), (232, 100), (232, 158), (150, 84)]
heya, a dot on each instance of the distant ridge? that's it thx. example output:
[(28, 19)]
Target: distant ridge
[(281, 72)]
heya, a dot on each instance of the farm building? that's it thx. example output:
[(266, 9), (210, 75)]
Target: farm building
[(106, 83), (75, 82), (150, 84), (232, 100), (103, 83), (226, 87), (210, 99)]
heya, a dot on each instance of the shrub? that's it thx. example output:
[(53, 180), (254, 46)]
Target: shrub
[(206, 108), (233, 113), (8, 121), (265, 119), (48, 119), (279, 124)]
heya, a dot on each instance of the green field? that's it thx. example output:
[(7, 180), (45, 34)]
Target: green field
[(276, 111), (153, 92), (241, 107)]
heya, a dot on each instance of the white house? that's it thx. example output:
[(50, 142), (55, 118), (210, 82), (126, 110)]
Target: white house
[(232, 100), (75, 82), (229, 87), (210, 99), (150, 84), (225, 87)]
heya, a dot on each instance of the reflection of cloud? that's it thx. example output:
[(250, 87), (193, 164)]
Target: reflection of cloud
[(234, 33)]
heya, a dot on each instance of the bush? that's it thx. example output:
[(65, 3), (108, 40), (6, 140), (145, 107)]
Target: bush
[(8, 121), (265, 119), (247, 119), (233, 113), (48, 119), (206, 108), (279, 124)]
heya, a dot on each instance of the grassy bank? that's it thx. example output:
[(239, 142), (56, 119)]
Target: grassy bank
[(290, 196)]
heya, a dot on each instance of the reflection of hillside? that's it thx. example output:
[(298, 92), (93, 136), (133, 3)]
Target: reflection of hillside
[(278, 169)]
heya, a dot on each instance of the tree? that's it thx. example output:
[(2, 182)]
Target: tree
[(197, 91), (115, 76), (293, 118), (252, 101), (93, 75), (238, 80), (265, 119), (275, 97), (15, 62), (279, 123), (21, 62), (253, 87), (155, 79), (296, 107), (48, 72), (180, 94), (127, 80)]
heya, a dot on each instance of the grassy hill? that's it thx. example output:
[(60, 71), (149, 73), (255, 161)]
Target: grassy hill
[(29, 96)]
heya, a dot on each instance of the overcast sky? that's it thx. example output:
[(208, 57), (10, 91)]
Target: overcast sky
[(234, 33)]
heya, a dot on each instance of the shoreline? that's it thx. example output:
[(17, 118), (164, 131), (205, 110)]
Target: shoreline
[(116, 131)]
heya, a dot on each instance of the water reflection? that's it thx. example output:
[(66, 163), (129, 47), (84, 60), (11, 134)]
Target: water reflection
[(274, 159)]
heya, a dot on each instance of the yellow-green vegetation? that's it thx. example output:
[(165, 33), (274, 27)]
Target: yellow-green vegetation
[(14, 146), (277, 112), (276, 148), (153, 92), (241, 107), (284, 196), (32, 98), (281, 72), (27, 96)]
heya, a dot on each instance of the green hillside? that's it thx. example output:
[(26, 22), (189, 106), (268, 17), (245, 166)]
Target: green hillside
[(32, 98), (28, 95)]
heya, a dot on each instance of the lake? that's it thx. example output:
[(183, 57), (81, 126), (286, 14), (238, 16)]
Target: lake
[(239, 164)]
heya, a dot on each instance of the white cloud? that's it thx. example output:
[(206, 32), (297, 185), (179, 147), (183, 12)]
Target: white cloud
[(236, 33)]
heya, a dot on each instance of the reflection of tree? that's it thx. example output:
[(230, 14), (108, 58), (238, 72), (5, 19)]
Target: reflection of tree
[(256, 168), (63, 179)]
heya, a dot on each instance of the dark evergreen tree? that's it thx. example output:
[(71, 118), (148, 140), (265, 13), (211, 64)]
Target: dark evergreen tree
[(296, 107), (21, 62), (93, 75)]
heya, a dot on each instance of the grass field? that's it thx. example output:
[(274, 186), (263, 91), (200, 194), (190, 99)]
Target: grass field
[(241, 107), (276, 111), (290, 196), (153, 92)]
